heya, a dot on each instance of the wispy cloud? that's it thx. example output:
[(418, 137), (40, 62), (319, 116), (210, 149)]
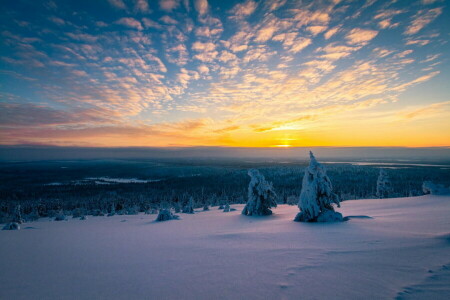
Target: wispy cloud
[(422, 19)]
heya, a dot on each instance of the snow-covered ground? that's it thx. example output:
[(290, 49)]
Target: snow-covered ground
[(394, 248)]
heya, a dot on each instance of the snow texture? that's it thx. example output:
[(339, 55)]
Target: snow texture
[(317, 195), (402, 251), (261, 196)]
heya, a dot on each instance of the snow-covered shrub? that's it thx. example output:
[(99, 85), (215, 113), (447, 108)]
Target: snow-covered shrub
[(261, 196), (317, 195), (383, 184), (60, 216), (189, 207), (165, 215), (12, 226), (429, 187), (83, 218)]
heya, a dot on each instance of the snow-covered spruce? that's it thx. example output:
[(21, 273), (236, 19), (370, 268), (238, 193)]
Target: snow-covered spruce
[(261, 196), (317, 196), (383, 184)]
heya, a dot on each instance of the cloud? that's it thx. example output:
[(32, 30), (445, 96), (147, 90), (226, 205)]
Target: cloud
[(168, 5), (28, 114), (168, 20), (426, 111), (275, 4), (205, 31), (419, 79), (244, 9), (142, 6), (226, 56), (299, 44), (227, 129), (82, 37), (118, 4), (201, 6), (422, 19), (315, 30), (203, 69), (130, 22), (359, 36), (151, 24), (57, 21)]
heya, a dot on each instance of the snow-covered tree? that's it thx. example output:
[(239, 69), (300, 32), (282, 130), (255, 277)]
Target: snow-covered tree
[(261, 196), (383, 184), (189, 207), (17, 217), (317, 195)]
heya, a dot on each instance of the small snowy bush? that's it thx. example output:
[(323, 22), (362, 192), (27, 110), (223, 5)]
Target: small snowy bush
[(12, 226), (261, 196), (165, 215), (317, 195)]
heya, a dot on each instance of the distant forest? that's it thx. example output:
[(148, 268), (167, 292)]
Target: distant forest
[(98, 186)]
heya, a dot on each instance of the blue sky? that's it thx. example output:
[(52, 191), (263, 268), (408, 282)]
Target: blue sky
[(234, 73)]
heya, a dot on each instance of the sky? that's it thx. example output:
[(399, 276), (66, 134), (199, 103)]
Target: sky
[(280, 73)]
